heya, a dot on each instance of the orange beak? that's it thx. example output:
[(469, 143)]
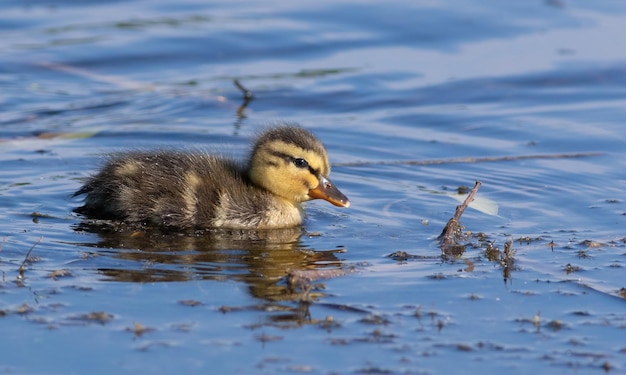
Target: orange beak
[(327, 191)]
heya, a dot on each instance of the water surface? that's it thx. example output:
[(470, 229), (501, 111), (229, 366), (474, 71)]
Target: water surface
[(396, 82)]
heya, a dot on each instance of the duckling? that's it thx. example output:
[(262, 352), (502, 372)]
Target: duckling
[(286, 166)]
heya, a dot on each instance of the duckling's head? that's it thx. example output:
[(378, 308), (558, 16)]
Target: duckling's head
[(290, 162)]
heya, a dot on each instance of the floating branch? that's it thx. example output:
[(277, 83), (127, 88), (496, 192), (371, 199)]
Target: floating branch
[(486, 159), (247, 98), (20, 275), (247, 94), (452, 231), (1, 246)]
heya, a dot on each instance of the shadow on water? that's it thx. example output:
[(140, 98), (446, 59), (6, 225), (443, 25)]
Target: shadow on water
[(262, 259)]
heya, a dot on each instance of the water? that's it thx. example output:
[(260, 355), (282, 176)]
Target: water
[(392, 82)]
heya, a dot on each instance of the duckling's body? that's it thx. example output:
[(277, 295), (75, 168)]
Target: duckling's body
[(287, 166)]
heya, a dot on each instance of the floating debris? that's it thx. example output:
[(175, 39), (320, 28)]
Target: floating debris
[(20, 271), (453, 231), (24, 309), (139, 329), (263, 337), (569, 268), (100, 317), (55, 275)]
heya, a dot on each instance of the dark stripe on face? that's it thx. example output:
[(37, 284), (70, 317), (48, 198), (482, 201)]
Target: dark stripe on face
[(290, 159)]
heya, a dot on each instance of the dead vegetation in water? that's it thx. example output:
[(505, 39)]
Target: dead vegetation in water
[(190, 303), (466, 160), (288, 316), (27, 259), (452, 234), (454, 240), (505, 258), (99, 317), (139, 329)]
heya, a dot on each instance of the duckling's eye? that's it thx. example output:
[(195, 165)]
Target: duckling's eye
[(300, 163)]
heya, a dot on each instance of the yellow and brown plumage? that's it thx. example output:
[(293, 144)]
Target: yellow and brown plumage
[(287, 166)]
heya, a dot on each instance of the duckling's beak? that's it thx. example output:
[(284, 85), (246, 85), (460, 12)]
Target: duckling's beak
[(327, 191)]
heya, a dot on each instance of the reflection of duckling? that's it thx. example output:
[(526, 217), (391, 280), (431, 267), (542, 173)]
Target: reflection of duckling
[(287, 166)]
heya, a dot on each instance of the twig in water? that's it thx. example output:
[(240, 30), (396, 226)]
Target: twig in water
[(20, 275), (1, 246), (247, 98), (452, 231), (485, 159), (247, 94)]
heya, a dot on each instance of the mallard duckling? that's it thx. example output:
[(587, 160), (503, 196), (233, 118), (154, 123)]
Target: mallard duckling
[(287, 166)]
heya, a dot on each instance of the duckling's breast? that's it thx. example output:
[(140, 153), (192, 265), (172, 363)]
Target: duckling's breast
[(256, 208)]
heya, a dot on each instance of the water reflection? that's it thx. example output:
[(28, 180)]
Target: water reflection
[(260, 258)]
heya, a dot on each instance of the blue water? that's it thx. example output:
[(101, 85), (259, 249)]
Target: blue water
[(391, 82)]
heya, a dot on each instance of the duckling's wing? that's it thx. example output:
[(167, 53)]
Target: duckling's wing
[(165, 188)]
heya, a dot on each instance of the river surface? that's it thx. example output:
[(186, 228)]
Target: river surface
[(413, 100)]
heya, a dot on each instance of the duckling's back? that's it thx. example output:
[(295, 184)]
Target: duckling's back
[(183, 190)]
